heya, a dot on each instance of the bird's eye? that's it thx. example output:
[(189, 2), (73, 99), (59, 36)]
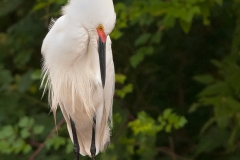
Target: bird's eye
[(100, 27)]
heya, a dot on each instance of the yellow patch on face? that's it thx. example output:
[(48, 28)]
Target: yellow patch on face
[(101, 34), (100, 27)]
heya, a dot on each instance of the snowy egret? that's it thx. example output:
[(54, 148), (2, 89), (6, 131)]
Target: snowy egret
[(78, 70)]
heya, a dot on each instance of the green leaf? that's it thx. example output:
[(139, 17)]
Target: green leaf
[(156, 38), (55, 142), (125, 90), (144, 124), (3, 38), (117, 119), (40, 5), (120, 78), (26, 148), (142, 39), (26, 122), (167, 113), (36, 75), (168, 128), (204, 79), (232, 104), (205, 13), (222, 115), (116, 34), (182, 121), (25, 82), (217, 63), (69, 147), (23, 122), (185, 25), (7, 6), (38, 129), (22, 58), (18, 146), (5, 75), (215, 138), (233, 137), (218, 88), (7, 131), (169, 21), (219, 2), (207, 125), (5, 147), (194, 107), (24, 133), (140, 54)]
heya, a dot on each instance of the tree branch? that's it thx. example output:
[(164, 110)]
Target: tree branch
[(170, 153), (42, 145)]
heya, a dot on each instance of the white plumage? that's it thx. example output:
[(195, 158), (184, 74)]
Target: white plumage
[(71, 70)]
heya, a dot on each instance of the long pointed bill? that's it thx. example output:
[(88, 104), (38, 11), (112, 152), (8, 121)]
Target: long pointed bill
[(102, 55)]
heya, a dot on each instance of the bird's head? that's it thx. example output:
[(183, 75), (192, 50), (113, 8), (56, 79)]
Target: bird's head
[(94, 15), (97, 17)]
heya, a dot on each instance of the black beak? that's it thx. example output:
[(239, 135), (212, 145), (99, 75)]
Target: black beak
[(102, 59)]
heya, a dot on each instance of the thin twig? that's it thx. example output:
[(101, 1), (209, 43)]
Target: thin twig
[(42, 145), (171, 144), (34, 100), (169, 152)]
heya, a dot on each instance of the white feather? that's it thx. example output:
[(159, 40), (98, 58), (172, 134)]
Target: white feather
[(71, 70)]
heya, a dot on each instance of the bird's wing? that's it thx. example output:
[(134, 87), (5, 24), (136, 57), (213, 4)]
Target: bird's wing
[(55, 26), (66, 72), (62, 49)]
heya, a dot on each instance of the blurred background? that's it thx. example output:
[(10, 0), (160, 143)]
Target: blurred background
[(177, 81)]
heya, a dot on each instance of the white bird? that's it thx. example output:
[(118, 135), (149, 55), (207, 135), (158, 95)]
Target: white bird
[(78, 70)]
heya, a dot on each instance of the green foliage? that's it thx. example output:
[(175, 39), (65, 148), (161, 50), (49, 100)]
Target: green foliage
[(12, 138), (148, 126), (8, 6), (144, 124), (143, 12), (178, 54), (140, 54), (121, 22), (119, 78), (223, 95), (56, 142), (6, 78), (145, 130), (170, 120)]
